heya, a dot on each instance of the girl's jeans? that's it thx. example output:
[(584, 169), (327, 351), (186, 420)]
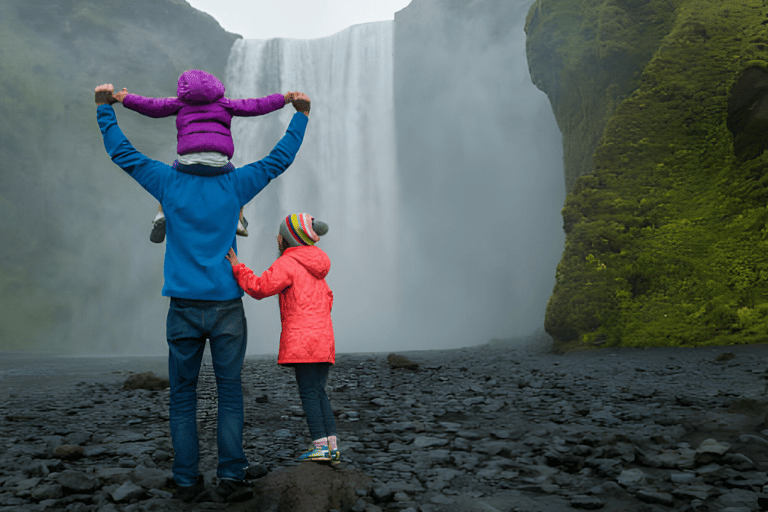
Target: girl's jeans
[(311, 378), (189, 324)]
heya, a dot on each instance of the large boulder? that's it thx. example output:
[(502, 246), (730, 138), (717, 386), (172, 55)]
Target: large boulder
[(308, 487)]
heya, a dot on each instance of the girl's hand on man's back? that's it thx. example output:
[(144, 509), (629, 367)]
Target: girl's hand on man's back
[(232, 257)]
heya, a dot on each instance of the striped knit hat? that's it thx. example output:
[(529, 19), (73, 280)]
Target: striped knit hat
[(302, 229)]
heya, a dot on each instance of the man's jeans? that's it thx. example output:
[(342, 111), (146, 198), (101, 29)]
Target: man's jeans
[(190, 323)]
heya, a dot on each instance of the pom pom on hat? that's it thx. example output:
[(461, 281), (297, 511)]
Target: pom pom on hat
[(302, 229)]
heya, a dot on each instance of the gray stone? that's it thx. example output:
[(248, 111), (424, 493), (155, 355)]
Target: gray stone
[(710, 450), (631, 477), (150, 478), (737, 498), (114, 475), (78, 481), (381, 493), (682, 478), (47, 492), (586, 502), (662, 498), (126, 492), (426, 442), (27, 484), (701, 492)]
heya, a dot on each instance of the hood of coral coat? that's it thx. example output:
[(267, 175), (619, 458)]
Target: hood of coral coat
[(311, 258), (199, 87)]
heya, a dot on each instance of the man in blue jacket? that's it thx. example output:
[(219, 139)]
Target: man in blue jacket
[(202, 210)]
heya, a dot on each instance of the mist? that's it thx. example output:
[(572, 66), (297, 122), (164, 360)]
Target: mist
[(435, 161), (433, 158)]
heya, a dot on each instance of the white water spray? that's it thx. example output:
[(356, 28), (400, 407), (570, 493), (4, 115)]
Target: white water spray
[(344, 173)]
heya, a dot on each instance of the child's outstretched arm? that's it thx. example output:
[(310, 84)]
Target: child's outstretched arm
[(151, 107), (274, 280), (250, 107)]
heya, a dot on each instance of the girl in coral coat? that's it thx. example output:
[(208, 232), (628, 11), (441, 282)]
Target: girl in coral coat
[(306, 340)]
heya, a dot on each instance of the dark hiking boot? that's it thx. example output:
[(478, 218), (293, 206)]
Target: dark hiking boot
[(188, 493)]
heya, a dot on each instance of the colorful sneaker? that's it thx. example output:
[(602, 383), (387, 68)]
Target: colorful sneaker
[(317, 454), (242, 226), (158, 229), (190, 492), (241, 231)]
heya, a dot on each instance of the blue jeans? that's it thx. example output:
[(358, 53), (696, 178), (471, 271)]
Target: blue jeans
[(189, 324), (311, 378)]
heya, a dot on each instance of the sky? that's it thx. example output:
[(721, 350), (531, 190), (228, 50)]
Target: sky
[(300, 19)]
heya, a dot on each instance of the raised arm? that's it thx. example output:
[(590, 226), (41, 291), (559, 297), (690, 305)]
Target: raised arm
[(257, 106), (151, 107), (147, 172), (252, 178)]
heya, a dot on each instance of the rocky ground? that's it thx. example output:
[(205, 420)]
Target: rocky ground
[(482, 429)]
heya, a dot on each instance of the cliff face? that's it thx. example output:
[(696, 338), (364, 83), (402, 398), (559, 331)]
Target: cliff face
[(70, 218), (666, 224)]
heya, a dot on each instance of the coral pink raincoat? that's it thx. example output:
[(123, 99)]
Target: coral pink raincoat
[(305, 302)]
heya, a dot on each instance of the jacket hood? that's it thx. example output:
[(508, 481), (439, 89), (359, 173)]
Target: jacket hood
[(312, 258), (199, 87)]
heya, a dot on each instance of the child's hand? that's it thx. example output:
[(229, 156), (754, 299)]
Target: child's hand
[(232, 257), (120, 96), (289, 97)]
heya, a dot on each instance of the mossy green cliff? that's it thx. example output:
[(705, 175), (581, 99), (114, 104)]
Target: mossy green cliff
[(663, 112), (69, 216)]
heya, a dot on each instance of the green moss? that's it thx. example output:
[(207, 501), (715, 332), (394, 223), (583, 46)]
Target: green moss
[(678, 225)]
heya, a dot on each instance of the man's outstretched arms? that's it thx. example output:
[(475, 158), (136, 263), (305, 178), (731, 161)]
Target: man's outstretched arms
[(254, 177), (145, 171)]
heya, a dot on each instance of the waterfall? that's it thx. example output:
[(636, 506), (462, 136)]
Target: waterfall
[(344, 173), (436, 163)]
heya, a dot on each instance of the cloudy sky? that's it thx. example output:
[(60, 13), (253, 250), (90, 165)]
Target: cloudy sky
[(301, 19)]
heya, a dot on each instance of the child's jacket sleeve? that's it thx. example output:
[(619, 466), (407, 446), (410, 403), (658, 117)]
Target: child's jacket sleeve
[(274, 280), (147, 172), (153, 107), (256, 106)]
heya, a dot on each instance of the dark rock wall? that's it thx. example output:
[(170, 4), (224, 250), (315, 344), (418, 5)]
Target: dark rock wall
[(661, 104), (70, 220)]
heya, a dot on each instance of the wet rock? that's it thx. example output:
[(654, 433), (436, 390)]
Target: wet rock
[(661, 498), (586, 502), (147, 380), (47, 492), (309, 487), (399, 361), (631, 477), (69, 452), (710, 450), (126, 492), (78, 481)]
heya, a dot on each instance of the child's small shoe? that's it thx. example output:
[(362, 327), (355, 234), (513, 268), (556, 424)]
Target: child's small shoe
[(315, 453), (335, 457), (241, 231), (158, 229)]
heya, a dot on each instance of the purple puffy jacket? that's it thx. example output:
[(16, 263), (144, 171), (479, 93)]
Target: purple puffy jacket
[(203, 114)]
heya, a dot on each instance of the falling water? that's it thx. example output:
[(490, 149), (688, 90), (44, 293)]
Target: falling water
[(344, 173)]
